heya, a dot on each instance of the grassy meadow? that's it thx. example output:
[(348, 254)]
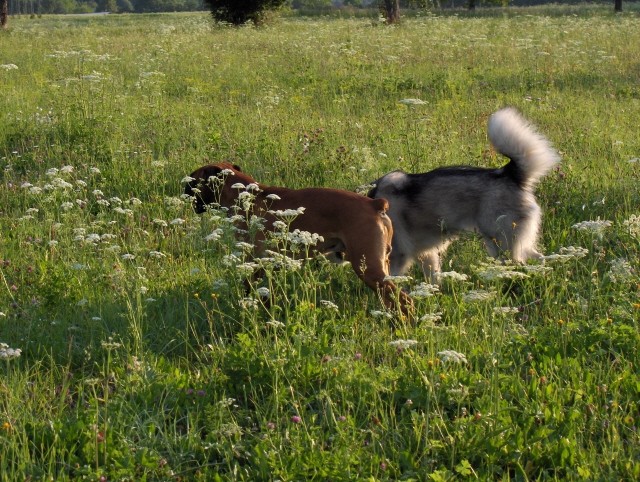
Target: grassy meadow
[(130, 349)]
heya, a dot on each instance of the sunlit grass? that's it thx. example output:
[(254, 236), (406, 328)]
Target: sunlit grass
[(130, 346)]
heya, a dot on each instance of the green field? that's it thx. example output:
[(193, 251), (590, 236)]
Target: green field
[(142, 357)]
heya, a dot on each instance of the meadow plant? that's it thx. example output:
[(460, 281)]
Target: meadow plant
[(143, 341)]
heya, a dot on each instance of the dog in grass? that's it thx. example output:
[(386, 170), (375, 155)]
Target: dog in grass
[(431, 209), (351, 227)]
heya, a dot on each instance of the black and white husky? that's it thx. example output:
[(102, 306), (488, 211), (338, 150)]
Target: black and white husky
[(429, 210)]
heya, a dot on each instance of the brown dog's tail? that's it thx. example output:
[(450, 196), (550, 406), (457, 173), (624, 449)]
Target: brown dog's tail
[(381, 205)]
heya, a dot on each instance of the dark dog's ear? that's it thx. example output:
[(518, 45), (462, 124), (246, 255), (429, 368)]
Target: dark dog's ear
[(204, 173), (237, 168)]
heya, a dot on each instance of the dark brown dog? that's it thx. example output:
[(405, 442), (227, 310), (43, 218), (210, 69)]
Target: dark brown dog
[(353, 227)]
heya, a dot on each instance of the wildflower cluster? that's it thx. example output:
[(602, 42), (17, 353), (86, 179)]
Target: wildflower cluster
[(8, 353)]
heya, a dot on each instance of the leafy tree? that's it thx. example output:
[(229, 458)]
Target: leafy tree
[(238, 12), (391, 10), (4, 13)]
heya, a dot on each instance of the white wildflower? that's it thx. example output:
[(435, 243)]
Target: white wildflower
[(567, 253), (621, 271), (66, 206), (287, 214), (596, 227), (160, 222), (431, 317), (214, 236), (177, 222), (187, 179), (8, 353), (329, 305), (398, 279), (246, 269), (275, 324), (412, 101), (633, 225), (381, 314), (249, 304), (401, 344), (273, 197), (424, 290), (451, 356), (505, 310), (453, 275), (128, 257), (304, 238), (494, 271), (263, 292), (157, 254), (478, 295), (8, 67)]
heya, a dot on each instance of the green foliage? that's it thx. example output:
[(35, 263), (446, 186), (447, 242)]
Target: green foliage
[(148, 352), (239, 12)]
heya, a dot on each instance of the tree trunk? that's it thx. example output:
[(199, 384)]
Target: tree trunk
[(471, 5), (4, 13), (391, 10), (617, 6)]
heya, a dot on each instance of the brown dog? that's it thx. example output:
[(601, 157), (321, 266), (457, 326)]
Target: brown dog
[(353, 227)]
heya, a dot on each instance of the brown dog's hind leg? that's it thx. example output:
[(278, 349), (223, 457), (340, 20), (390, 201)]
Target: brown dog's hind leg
[(371, 267)]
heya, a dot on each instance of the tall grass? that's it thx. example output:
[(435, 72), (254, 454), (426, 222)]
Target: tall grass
[(143, 357)]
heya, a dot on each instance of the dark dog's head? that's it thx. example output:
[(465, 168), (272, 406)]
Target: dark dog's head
[(212, 184)]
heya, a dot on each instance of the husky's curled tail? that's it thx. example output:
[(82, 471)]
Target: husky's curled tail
[(531, 153)]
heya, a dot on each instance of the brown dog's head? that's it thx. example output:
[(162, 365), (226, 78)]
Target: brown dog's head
[(212, 184)]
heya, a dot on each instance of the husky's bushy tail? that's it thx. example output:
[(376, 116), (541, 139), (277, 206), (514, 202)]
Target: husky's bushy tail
[(531, 153)]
